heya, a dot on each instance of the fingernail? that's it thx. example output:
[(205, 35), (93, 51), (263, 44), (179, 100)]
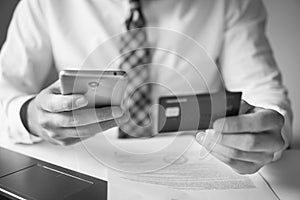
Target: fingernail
[(117, 111), (81, 101), (65, 105), (200, 137)]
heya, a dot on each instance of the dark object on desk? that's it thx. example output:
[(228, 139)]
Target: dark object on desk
[(22, 177), (196, 112)]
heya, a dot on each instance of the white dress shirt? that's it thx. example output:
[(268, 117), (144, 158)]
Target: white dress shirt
[(49, 35)]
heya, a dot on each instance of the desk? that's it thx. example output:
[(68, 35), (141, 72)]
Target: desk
[(73, 157), (283, 176)]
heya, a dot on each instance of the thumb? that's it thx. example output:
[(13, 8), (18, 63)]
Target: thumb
[(245, 107)]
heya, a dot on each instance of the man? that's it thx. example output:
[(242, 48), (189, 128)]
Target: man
[(49, 35)]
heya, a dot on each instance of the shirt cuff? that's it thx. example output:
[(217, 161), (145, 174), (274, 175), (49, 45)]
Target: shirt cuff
[(17, 132)]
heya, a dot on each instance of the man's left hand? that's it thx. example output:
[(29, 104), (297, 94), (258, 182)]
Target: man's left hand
[(246, 142)]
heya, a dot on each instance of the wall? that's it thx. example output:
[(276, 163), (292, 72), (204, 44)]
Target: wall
[(284, 33), (6, 10)]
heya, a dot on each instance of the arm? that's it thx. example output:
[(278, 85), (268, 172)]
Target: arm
[(28, 108), (25, 62), (263, 130), (248, 63)]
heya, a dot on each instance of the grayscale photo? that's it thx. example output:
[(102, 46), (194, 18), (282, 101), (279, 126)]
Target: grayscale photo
[(149, 99)]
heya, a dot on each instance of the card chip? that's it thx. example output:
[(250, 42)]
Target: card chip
[(172, 112)]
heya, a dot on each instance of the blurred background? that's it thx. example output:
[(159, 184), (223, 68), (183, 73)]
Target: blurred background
[(284, 34)]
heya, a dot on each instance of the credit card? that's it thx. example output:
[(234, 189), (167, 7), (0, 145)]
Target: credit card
[(195, 112)]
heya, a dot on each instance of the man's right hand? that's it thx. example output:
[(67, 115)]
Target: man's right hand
[(65, 119)]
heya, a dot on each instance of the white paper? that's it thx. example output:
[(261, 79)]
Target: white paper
[(190, 173), (189, 177)]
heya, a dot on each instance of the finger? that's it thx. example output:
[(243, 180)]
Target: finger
[(48, 136), (60, 103), (68, 141), (268, 142), (84, 117), (51, 100), (241, 167), (259, 121), (254, 142), (84, 131), (260, 158), (80, 117)]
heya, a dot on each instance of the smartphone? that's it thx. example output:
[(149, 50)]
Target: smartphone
[(102, 88)]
